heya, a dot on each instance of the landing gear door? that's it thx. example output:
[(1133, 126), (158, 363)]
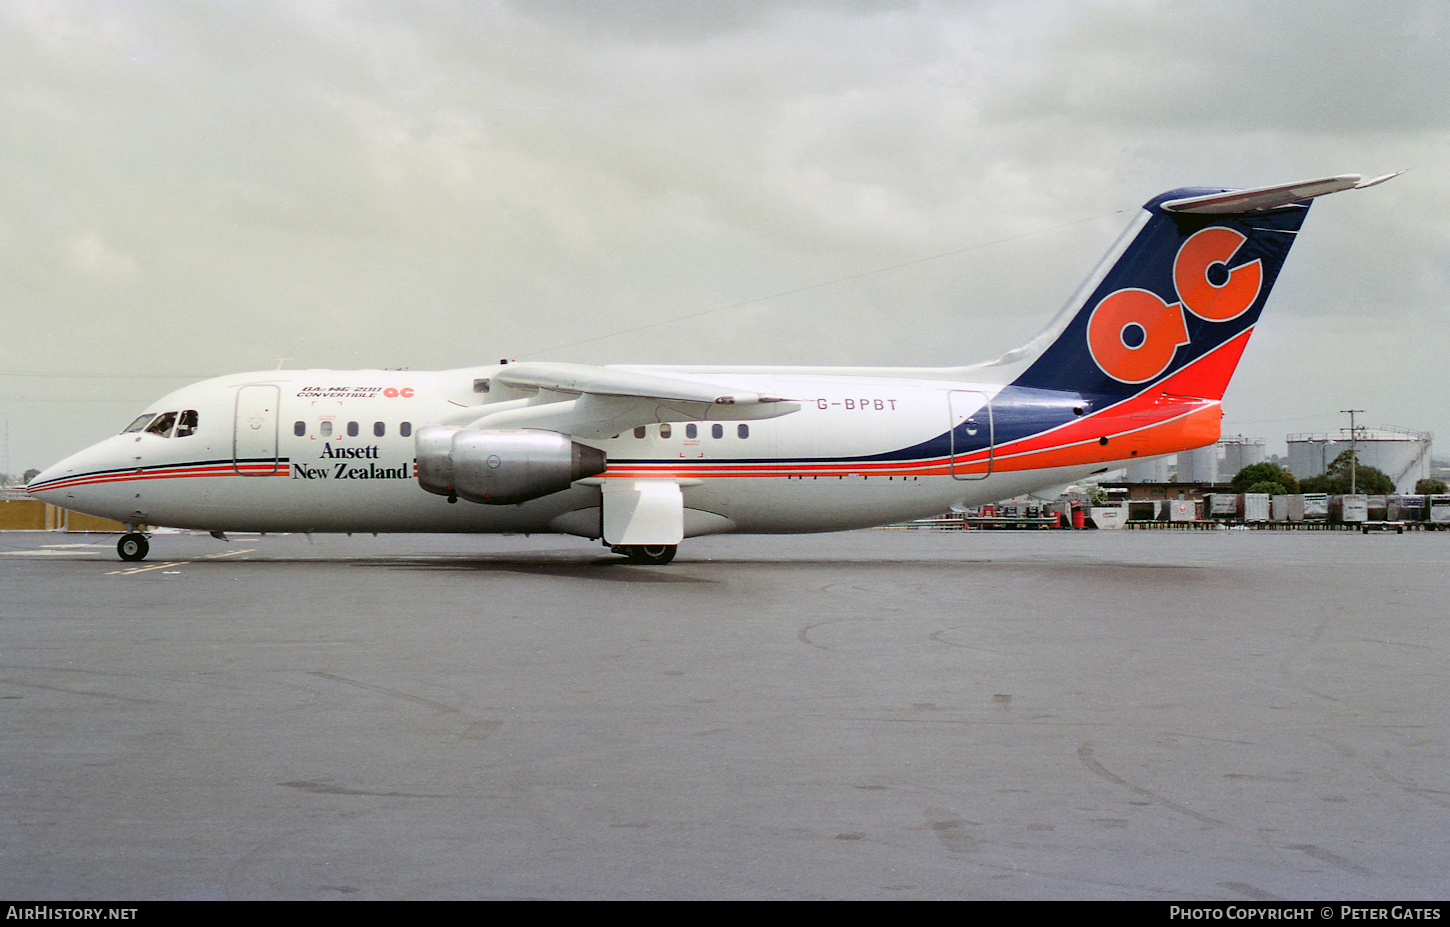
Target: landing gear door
[(254, 442), (649, 512), (971, 434)]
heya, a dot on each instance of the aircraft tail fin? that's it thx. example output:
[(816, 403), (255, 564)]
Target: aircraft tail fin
[(1182, 296)]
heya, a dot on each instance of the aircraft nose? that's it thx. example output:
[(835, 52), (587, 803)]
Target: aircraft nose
[(81, 482), (44, 484)]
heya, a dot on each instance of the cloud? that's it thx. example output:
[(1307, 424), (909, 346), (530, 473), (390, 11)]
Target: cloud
[(90, 255), (431, 185)]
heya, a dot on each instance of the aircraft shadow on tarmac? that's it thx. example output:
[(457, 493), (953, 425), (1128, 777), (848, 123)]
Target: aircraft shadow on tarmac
[(544, 563), (552, 563)]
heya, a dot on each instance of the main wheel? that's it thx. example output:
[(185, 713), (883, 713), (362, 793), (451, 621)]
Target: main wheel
[(657, 554), (133, 546)]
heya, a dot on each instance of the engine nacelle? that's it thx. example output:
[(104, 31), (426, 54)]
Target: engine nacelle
[(501, 467), (434, 447)]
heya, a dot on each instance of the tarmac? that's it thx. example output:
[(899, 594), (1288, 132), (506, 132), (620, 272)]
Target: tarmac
[(1235, 715)]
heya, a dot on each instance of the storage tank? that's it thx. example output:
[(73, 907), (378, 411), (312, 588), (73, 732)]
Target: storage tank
[(1403, 455), (1149, 471), (1239, 452), (1199, 466)]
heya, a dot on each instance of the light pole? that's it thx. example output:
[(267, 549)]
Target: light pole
[(1353, 454)]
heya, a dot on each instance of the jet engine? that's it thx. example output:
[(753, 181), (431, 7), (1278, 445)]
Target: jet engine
[(501, 467)]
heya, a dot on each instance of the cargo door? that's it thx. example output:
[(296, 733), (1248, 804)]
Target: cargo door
[(971, 433), (254, 441)]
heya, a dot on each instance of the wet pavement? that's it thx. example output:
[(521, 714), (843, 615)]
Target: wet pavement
[(1231, 715)]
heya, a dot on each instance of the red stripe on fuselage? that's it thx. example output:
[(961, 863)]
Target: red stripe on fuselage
[(1202, 381), (169, 473)]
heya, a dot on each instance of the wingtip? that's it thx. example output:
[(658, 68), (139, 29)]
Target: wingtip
[(1377, 180)]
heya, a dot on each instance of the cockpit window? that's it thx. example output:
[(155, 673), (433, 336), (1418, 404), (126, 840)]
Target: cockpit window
[(162, 425), (139, 423)]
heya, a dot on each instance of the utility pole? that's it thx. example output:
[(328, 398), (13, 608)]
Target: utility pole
[(1353, 454)]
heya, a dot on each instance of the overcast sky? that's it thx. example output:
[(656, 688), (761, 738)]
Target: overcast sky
[(189, 189)]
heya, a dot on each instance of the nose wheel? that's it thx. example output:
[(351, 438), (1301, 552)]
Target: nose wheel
[(133, 546)]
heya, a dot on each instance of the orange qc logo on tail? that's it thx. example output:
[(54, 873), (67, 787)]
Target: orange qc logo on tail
[(1133, 333)]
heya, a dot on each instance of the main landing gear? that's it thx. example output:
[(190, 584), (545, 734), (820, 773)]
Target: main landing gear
[(133, 546), (656, 554)]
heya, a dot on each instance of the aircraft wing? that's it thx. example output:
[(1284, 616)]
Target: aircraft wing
[(600, 402)]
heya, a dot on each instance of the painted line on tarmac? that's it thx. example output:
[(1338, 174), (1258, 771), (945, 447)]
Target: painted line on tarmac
[(154, 566), (175, 563)]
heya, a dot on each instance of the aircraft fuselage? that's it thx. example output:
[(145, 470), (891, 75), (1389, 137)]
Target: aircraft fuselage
[(332, 451)]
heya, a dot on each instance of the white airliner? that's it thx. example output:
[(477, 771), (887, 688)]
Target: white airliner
[(1134, 367)]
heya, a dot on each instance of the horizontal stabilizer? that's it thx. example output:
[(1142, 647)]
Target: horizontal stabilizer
[(1238, 202)]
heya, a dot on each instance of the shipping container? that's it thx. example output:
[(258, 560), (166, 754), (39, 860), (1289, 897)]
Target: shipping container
[(1405, 508), (1440, 511), (1316, 506), (1279, 508), (1377, 508), (1352, 509), (1109, 516), (1254, 506), (1222, 504), (1295, 506), (1187, 510), (1142, 510)]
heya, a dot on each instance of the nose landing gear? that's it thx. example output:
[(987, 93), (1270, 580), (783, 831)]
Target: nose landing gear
[(133, 546)]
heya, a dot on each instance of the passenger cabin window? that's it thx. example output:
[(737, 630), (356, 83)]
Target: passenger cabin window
[(405, 429), (326, 429), (379, 429), (352, 429), (186, 425), (691, 431), (639, 432), (743, 431), (162, 424), (717, 431), (665, 430), (139, 424), (299, 429)]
